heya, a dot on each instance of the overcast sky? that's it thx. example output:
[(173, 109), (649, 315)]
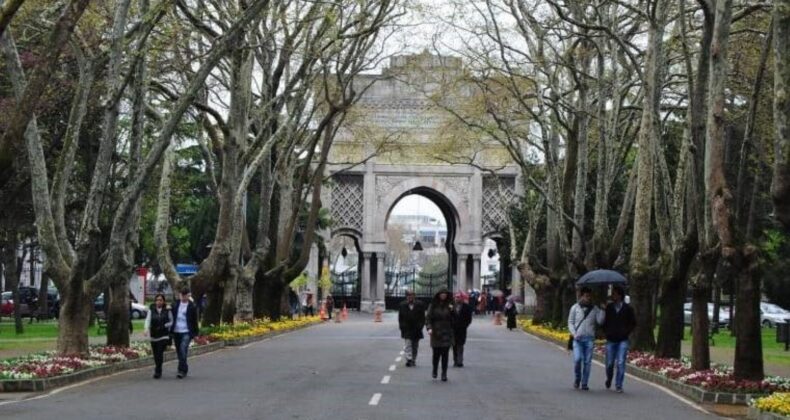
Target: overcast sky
[(418, 205)]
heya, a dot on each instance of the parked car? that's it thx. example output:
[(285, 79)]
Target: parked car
[(137, 310), (771, 314), (724, 314), (6, 304), (28, 296)]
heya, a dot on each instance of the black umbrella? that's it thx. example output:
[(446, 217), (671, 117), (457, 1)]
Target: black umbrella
[(600, 277)]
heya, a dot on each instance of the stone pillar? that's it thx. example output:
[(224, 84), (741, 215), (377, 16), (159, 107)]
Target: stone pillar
[(380, 278), (476, 271), (366, 277), (462, 271)]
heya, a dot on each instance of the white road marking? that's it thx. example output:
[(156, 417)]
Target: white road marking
[(385, 380), (392, 368), (402, 353), (398, 359), (374, 400)]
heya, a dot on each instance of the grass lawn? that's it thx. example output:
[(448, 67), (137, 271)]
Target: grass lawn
[(43, 330), (42, 336), (774, 354)]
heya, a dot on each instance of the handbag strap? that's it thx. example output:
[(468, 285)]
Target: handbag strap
[(586, 313)]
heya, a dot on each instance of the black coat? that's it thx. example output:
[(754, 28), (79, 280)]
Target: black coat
[(617, 326), (462, 318), (439, 319), (511, 316), (411, 321), (192, 318), (160, 321)]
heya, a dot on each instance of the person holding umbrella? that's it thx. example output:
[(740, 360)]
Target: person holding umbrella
[(582, 320), (619, 322)]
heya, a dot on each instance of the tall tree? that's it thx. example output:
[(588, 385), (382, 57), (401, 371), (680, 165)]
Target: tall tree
[(780, 188)]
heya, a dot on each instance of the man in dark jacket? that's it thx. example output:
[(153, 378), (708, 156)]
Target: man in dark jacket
[(618, 323), (411, 319), (184, 329), (462, 318)]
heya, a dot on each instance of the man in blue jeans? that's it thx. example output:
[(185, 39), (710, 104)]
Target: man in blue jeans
[(582, 320), (620, 321), (184, 329)]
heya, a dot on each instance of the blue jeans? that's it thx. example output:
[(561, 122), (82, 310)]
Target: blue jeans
[(616, 353), (182, 350), (582, 359)]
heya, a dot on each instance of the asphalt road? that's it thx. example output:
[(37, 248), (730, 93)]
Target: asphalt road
[(349, 371)]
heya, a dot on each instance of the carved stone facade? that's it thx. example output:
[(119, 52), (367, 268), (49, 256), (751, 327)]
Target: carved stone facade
[(347, 202), (361, 197), (499, 193)]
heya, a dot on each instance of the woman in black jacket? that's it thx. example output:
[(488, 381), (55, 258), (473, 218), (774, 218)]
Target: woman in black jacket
[(439, 323), (157, 328)]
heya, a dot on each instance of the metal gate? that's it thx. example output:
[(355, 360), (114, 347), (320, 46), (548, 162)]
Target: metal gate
[(424, 286), (346, 289)]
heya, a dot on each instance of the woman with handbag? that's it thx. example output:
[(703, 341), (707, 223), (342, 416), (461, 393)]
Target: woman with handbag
[(157, 327)]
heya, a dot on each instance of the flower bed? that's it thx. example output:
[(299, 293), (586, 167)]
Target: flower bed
[(717, 379), (42, 371), (258, 327), (778, 403), (49, 364), (543, 330)]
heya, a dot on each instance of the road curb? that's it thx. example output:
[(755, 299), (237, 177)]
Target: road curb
[(694, 393)]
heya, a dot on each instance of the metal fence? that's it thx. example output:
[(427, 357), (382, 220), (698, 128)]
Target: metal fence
[(346, 289)]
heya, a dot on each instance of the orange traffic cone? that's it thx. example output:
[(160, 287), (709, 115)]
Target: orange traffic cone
[(377, 314), (498, 318), (322, 313), (345, 313)]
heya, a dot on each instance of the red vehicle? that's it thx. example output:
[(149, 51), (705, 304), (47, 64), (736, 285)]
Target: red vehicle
[(6, 304)]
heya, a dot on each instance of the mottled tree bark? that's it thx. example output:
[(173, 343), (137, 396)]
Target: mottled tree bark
[(8, 9), (780, 187), (642, 277)]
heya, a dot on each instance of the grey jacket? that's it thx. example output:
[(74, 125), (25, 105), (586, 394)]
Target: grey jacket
[(587, 327)]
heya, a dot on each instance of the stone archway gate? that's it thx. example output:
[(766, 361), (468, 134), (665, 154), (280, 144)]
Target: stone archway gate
[(360, 197)]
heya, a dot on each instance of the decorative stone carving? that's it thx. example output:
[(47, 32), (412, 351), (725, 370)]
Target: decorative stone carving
[(459, 184), (498, 195), (348, 201)]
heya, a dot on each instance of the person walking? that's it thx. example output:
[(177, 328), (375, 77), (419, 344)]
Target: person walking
[(482, 303), (511, 311), (308, 304), (185, 328), (411, 320), (439, 323), (582, 320), (330, 305), (293, 302), (157, 328), (618, 324), (462, 318)]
